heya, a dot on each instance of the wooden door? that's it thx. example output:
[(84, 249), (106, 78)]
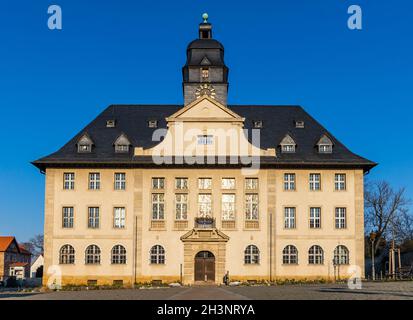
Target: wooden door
[(205, 266)]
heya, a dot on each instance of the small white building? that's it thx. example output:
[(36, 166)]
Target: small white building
[(38, 262)]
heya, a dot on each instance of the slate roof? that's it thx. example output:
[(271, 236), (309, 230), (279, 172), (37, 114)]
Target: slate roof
[(132, 120)]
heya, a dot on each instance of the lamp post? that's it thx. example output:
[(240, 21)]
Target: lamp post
[(373, 269)]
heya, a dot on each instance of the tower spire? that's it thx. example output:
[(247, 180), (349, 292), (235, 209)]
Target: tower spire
[(205, 28)]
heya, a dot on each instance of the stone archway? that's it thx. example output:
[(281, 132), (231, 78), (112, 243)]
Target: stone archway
[(201, 240)]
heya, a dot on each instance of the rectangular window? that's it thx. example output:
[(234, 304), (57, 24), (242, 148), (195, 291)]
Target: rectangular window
[(94, 181), (251, 206), (205, 74), (340, 181), (181, 183), (119, 218), (158, 206), (289, 181), (251, 183), (181, 206), (325, 148), (315, 181), (228, 207), (69, 181), (341, 219), (93, 218), (288, 148), (204, 205), (158, 183), (289, 218), (315, 218), (120, 181), (204, 183), (121, 148), (67, 222), (205, 140), (228, 183)]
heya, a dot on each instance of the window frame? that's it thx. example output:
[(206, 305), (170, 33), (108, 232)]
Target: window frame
[(340, 184), (93, 217), (315, 255), (158, 206), (68, 217), (93, 255), (94, 181), (204, 204), (157, 255), (67, 254), (69, 181), (119, 220), (290, 217), (340, 218), (289, 182), (313, 183), (181, 207), (290, 255), (252, 255), (119, 181), (249, 207), (315, 221), (118, 255)]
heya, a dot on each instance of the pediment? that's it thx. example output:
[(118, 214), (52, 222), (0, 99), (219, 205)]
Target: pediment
[(122, 140), (325, 140), (287, 140), (205, 109), (205, 62), (85, 139), (205, 235)]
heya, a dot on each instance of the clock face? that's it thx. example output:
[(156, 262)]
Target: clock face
[(205, 90)]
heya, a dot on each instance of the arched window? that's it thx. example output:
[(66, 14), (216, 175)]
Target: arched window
[(341, 255), (92, 255), (315, 255), (118, 255), (251, 255), (67, 254), (157, 255), (290, 255)]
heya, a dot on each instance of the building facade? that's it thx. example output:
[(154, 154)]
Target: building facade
[(190, 192)]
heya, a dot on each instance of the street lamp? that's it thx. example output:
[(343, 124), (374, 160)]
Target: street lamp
[(373, 270)]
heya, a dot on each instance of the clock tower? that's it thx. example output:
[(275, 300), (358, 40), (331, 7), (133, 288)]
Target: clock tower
[(205, 72)]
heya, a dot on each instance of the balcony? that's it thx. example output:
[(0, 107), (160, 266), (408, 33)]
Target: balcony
[(204, 223)]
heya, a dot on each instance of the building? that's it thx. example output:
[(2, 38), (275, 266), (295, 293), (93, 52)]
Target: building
[(37, 267), (188, 192), (14, 259)]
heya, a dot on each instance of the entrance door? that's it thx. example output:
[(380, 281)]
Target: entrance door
[(205, 266)]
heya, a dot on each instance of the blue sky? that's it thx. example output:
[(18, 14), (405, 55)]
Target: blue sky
[(52, 83)]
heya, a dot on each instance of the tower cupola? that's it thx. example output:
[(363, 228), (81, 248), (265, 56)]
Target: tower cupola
[(205, 72)]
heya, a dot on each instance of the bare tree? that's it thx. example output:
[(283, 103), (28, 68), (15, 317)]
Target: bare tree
[(386, 212), (35, 245)]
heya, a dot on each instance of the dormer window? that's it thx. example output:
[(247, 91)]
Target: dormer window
[(84, 145), (325, 148), (299, 124), (325, 145), (110, 123), (153, 123), (257, 124), (122, 144), (288, 144), (121, 148), (288, 148)]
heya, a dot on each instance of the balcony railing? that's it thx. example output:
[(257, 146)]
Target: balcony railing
[(204, 223)]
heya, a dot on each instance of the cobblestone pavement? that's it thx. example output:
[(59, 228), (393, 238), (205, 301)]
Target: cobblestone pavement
[(370, 291)]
